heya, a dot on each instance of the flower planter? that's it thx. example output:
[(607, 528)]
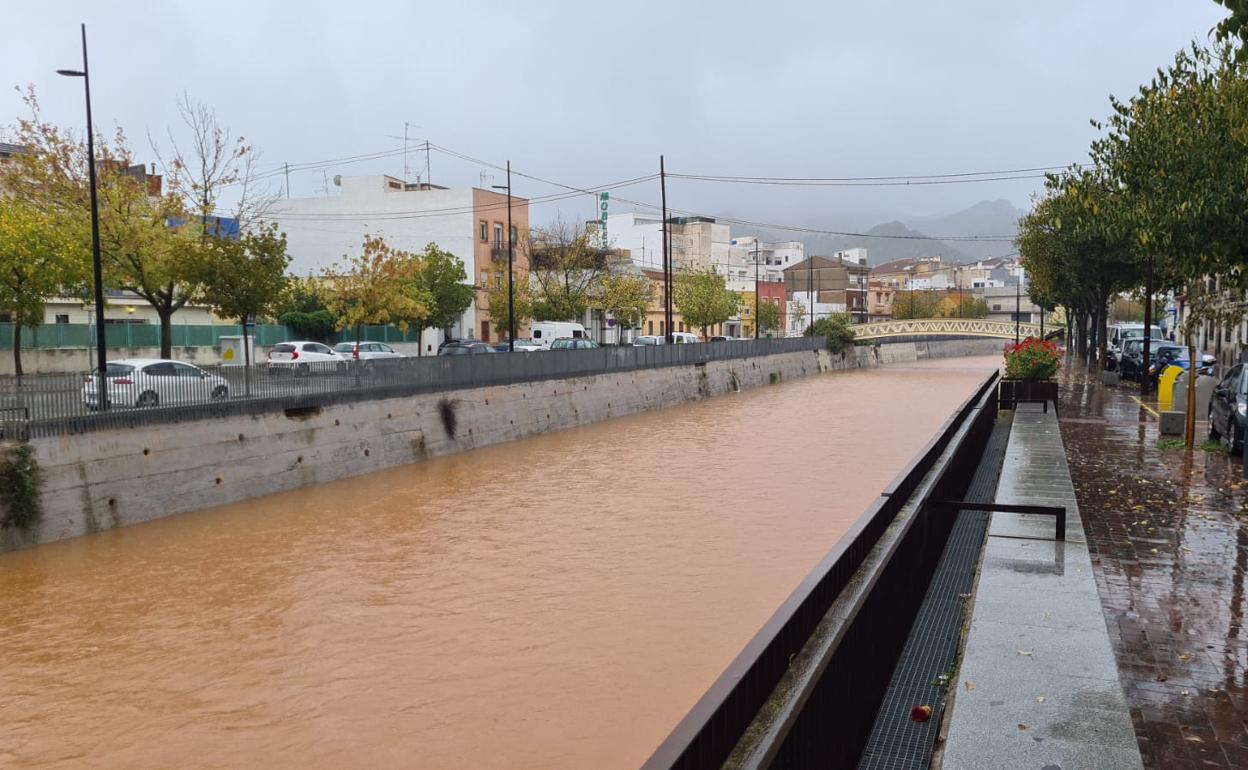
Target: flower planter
[(1013, 392)]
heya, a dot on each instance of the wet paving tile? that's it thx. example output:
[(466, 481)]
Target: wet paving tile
[(1167, 532)]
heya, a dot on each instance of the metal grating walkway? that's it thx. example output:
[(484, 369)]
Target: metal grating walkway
[(897, 742)]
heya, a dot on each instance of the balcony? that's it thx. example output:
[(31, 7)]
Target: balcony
[(498, 252)]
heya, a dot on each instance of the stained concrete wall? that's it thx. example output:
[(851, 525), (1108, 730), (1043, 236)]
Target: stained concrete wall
[(107, 479)]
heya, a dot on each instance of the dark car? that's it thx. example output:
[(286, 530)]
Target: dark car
[(1130, 360), (1228, 409), (464, 348), (1163, 355)]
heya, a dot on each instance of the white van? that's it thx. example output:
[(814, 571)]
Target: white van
[(546, 332), (684, 338)]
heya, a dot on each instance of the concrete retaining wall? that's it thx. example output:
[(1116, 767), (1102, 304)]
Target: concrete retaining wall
[(107, 479)]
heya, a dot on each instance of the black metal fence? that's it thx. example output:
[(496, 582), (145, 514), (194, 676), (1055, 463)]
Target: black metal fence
[(824, 718), (55, 404)]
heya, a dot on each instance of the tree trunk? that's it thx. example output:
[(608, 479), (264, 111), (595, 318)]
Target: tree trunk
[(1145, 385), (166, 330), (1081, 333), (246, 361), (1102, 327), (420, 341), (17, 347)]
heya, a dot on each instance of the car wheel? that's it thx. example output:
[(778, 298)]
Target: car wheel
[(220, 393), (1213, 427), (148, 398)]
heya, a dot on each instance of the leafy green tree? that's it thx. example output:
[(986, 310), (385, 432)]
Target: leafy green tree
[(440, 277), (836, 328), (496, 295), (703, 298), (964, 306), (768, 317), (302, 308), (245, 277), (797, 312), (376, 287), (909, 304), (39, 259), (1235, 27), (625, 296)]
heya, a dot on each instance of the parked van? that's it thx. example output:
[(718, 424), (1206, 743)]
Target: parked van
[(546, 332), (684, 338), (1120, 333)]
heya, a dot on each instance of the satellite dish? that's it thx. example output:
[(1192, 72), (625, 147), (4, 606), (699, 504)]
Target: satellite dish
[(337, 180)]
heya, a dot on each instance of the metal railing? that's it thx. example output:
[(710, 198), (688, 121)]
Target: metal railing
[(145, 335), (55, 404), (837, 637)]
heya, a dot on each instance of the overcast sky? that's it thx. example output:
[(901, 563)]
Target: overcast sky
[(588, 93)]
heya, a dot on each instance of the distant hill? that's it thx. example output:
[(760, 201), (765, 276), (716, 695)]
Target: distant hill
[(986, 218)]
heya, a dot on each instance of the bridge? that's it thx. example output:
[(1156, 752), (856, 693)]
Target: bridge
[(949, 327)]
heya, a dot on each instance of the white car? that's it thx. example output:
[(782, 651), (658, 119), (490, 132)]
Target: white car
[(153, 382), (303, 358), (365, 351)]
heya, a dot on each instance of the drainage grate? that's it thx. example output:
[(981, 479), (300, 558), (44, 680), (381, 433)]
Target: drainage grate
[(897, 742)]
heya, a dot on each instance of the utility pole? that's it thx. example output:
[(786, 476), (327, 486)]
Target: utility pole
[(287, 166), (511, 251), (810, 286), (1146, 347), (101, 355), (1018, 296), (428, 168), (405, 167), (667, 257), (756, 305)]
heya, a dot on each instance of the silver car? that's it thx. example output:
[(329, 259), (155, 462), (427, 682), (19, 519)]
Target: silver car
[(153, 382)]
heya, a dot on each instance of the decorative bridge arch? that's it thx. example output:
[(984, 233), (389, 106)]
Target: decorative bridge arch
[(948, 327)]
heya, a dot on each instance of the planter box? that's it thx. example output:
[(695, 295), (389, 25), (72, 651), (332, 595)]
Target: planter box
[(1014, 392)]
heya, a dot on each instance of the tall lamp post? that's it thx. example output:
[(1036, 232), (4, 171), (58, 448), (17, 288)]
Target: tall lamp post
[(100, 354), (756, 287), (511, 250)]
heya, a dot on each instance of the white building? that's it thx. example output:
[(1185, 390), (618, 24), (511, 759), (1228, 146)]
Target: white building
[(469, 223)]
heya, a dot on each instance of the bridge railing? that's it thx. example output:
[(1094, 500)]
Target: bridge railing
[(54, 404), (860, 602), (948, 327)]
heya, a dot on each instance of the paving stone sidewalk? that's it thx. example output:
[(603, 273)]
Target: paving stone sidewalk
[(1167, 531)]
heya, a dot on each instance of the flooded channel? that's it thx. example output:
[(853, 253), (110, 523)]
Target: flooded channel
[(555, 602)]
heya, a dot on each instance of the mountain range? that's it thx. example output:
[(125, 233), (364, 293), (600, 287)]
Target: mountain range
[(919, 236)]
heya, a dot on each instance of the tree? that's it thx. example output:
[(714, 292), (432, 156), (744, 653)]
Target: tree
[(245, 277), (797, 312), (1235, 26), (961, 306), (703, 298), (836, 328), (441, 278), (376, 287), (496, 294), (768, 317), (625, 296), (302, 307), (39, 259), (566, 266), (909, 304), (141, 251)]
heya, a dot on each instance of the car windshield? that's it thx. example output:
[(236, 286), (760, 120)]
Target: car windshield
[(561, 344), (342, 347)]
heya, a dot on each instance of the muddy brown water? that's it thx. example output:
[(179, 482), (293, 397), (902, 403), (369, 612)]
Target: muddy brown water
[(555, 602)]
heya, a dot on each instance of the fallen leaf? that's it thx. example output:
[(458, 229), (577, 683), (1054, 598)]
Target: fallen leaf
[(1040, 699), (1194, 739), (1185, 657), (1026, 653), (1185, 693), (1022, 726), (969, 687)]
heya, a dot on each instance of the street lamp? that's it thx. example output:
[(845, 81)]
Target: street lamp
[(756, 313), (511, 246), (101, 355)]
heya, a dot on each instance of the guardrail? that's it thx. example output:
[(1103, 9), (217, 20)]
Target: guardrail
[(55, 404), (837, 637)]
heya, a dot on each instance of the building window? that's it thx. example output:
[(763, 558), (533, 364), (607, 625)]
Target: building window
[(485, 236), (515, 238), (62, 318), (996, 307), (498, 234), (650, 329)]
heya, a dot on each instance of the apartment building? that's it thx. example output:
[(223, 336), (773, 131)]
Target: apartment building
[(470, 223)]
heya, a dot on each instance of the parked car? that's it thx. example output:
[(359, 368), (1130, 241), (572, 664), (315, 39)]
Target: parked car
[(1165, 355), (303, 358), (526, 346), (684, 338), (365, 351), (465, 348), (1132, 357), (572, 343), (544, 333), (648, 339), (152, 382), (1228, 409)]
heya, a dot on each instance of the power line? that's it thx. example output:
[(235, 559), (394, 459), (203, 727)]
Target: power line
[(1004, 173), (830, 183)]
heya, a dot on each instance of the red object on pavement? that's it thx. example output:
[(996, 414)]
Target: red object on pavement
[(921, 713)]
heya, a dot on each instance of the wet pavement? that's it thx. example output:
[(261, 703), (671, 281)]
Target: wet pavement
[(1167, 531)]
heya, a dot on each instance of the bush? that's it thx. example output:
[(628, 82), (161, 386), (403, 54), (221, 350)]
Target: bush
[(836, 329), (316, 325), (1032, 359)]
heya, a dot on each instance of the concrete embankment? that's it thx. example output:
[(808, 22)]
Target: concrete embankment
[(107, 479)]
